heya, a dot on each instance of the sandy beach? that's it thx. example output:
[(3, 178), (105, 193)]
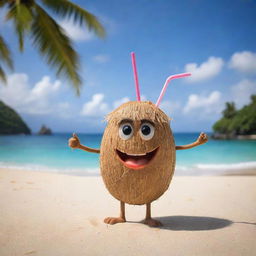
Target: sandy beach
[(54, 214)]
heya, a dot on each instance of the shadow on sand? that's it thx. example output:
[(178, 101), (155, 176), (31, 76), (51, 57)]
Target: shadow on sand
[(193, 223)]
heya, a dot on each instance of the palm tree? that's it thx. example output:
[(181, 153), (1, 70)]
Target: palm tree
[(230, 110), (30, 18)]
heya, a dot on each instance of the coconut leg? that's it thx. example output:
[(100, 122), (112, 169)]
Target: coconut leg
[(114, 220), (148, 220)]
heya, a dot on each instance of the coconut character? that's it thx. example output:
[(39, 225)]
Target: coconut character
[(138, 153)]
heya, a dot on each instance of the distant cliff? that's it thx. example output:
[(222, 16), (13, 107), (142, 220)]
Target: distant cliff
[(240, 124), (11, 122)]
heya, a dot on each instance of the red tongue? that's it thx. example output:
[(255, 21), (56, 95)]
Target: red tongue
[(136, 162)]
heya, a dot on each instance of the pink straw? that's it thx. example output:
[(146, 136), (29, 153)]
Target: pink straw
[(135, 74), (166, 84)]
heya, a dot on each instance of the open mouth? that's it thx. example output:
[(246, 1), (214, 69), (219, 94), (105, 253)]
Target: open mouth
[(136, 161)]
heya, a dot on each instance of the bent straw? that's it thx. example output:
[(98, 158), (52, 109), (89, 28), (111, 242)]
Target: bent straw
[(135, 74), (166, 84)]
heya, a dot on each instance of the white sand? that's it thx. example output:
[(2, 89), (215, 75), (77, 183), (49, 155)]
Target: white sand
[(53, 214)]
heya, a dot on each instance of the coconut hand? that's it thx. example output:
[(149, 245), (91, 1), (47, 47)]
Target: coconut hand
[(202, 138), (74, 142)]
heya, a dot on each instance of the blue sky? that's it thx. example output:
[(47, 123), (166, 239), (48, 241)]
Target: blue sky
[(214, 40)]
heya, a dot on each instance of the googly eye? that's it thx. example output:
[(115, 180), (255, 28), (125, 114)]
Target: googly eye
[(125, 131), (147, 131)]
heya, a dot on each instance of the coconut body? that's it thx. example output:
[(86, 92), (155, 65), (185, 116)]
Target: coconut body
[(144, 185)]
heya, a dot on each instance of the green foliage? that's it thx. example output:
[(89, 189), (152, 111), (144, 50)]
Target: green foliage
[(21, 15), (11, 122), (31, 19), (230, 110), (52, 43), (5, 58), (222, 126), (238, 122), (67, 9)]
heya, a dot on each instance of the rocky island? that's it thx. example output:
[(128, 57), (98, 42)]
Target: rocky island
[(11, 122), (237, 124), (45, 131)]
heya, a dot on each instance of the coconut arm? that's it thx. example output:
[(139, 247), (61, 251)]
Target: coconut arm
[(92, 150), (200, 140), (75, 143)]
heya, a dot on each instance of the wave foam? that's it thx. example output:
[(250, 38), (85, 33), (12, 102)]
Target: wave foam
[(231, 166), (42, 168), (215, 169), (197, 169)]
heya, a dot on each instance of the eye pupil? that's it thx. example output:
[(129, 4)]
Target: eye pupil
[(127, 129), (145, 129)]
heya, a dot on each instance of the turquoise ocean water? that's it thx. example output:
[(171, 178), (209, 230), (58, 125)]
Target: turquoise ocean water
[(51, 153)]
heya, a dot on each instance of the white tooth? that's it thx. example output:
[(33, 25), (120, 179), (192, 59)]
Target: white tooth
[(143, 154)]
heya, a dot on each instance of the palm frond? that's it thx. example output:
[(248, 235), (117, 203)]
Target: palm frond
[(66, 9), (5, 55), (21, 15), (2, 75), (55, 46), (4, 2)]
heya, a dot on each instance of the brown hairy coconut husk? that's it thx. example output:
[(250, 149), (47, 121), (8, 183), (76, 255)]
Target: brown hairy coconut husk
[(137, 186)]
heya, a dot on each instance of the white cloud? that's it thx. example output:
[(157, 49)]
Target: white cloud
[(205, 71), (16, 90), (207, 104), (243, 61), (43, 87), (30, 100), (96, 107), (170, 107), (76, 32), (101, 58), (204, 106), (242, 91), (117, 103)]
